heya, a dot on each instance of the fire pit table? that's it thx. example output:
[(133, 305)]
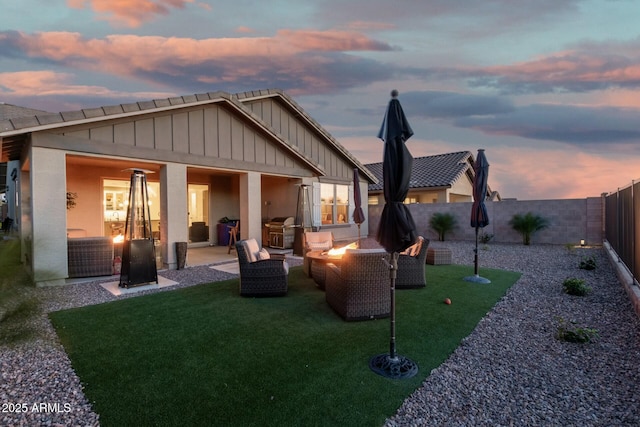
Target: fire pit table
[(319, 261)]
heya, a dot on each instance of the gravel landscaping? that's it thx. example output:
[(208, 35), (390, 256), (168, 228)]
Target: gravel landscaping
[(510, 371)]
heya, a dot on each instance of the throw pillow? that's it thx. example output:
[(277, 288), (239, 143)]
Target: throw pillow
[(263, 254)]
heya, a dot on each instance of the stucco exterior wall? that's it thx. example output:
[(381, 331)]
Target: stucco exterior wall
[(570, 220)]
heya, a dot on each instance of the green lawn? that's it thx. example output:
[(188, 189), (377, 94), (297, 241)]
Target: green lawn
[(203, 355)]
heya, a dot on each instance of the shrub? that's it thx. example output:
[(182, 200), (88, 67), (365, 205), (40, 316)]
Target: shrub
[(571, 332), (588, 263), (485, 237), (443, 223), (528, 224), (574, 286)]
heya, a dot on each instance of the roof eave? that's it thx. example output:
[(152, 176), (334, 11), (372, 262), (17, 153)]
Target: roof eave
[(56, 121)]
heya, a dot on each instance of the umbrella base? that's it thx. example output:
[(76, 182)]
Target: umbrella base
[(396, 368), (477, 279)]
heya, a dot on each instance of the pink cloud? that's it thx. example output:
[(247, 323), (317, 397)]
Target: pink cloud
[(129, 12), (587, 67), (205, 60), (561, 67), (559, 173), (27, 84), (332, 40)]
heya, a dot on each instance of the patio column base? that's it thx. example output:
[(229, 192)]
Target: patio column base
[(396, 368)]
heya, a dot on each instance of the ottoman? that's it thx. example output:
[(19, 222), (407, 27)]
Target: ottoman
[(438, 256)]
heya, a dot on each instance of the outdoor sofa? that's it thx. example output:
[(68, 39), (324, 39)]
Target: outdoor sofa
[(90, 256)]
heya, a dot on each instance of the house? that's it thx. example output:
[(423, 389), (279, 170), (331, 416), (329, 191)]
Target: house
[(208, 156), (8, 112), (443, 178)]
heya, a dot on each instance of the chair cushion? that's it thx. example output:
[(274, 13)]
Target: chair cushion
[(319, 246), (251, 248)]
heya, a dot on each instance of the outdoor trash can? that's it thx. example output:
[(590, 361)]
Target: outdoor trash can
[(181, 254)]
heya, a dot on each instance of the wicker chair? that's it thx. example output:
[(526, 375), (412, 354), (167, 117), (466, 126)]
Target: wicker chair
[(260, 275), (411, 265), (315, 241), (359, 288)]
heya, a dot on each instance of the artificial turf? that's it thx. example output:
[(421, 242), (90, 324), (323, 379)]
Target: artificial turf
[(203, 355)]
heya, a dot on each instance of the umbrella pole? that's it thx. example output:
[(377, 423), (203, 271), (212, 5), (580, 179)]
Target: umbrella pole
[(393, 274), (475, 269), (359, 247), (391, 365), (476, 277)]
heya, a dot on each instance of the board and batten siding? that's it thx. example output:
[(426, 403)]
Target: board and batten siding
[(313, 145), (209, 136)]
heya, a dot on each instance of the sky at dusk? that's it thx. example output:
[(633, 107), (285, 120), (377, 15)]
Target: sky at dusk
[(550, 89)]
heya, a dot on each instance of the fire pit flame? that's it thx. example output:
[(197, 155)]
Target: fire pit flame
[(340, 251)]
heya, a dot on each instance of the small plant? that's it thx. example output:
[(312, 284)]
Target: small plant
[(71, 200), (571, 332), (588, 263), (443, 223), (528, 224), (574, 286), (485, 237), (570, 247)]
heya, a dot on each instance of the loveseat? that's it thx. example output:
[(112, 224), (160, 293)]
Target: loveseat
[(90, 256)]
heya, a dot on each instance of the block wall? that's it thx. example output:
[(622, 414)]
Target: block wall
[(570, 220)]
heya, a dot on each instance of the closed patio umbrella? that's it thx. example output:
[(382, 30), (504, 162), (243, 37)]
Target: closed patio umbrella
[(479, 215), (396, 230), (358, 212)]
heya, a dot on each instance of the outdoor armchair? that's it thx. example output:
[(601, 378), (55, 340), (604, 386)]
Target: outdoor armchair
[(315, 241), (360, 288), (260, 275), (411, 265)]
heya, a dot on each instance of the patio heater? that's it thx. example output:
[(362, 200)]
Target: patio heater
[(304, 220), (138, 250)]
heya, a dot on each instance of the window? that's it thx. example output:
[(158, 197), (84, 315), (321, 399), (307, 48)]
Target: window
[(116, 200), (334, 203), (410, 200)]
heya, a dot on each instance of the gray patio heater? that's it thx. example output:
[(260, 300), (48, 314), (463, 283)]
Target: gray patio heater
[(304, 221), (138, 250)]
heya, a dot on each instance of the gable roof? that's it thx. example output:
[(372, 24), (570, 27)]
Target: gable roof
[(15, 127), (441, 170), (301, 114)]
